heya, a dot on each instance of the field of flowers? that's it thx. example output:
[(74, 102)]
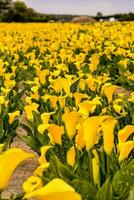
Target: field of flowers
[(75, 85)]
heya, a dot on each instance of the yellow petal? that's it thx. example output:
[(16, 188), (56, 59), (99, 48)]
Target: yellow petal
[(90, 129), (2, 146), (125, 133), (9, 160), (42, 158), (32, 183), (41, 169), (71, 119), (55, 190), (56, 132), (45, 117), (13, 115), (71, 154), (96, 166), (125, 149), (43, 127), (108, 134), (109, 91)]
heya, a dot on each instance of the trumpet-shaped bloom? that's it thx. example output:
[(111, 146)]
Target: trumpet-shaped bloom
[(42, 159), (124, 149), (71, 119), (109, 91), (56, 133), (9, 160), (90, 129), (96, 166), (13, 115), (108, 134), (32, 183), (125, 133), (71, 155), (41, 169), (29, 108), (54, 190)]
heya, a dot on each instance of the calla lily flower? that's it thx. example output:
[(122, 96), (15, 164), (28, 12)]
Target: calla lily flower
[(71, 155), (9, 160), (56, 133), (125, 133), (96, 166), (42, 159), (109, 91), (13, 115), (125, 149), (32, 183), (108, 135), (54, 190), (71, 119)]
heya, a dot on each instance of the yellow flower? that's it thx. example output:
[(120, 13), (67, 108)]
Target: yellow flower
[(90, 129), (96, 166), (2, 146), (65, 84), (71, 119), (94, 61), (13, 115), (78, 97), (29, 108), (42, 159), (54, 190), (109, 91), (108, 134), (43, 127), (9, 160), (125, 133), (2, 99), (91, 83), (56, 133), (41, 169), (45, 117), (43, 75), (124, 149), (32, 183), (71, 155)]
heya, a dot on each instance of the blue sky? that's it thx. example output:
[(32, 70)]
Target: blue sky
[(83, 7)]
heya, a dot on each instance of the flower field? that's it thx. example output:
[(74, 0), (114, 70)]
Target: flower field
[(74, 83)]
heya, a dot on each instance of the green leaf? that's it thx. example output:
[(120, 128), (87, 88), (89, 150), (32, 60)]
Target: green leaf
[(123, 180), (85, 188), (105, 192), (37, 119)]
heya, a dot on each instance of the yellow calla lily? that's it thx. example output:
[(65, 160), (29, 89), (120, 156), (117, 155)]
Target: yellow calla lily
[(90, 129), (41, 169), (71, 155), (29, 108), (124, 149), (43, 127), (96, 166), (54, 190), (13, 115), (56, 133), (2, 146), (108, 135), (9, 160), (42, 159), (78, 97), (109, 91), (125, 133), (71, 119), (32, 183)]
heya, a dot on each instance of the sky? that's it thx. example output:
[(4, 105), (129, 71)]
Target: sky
[(81, 7)]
